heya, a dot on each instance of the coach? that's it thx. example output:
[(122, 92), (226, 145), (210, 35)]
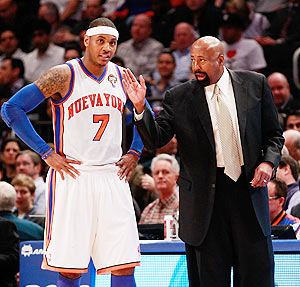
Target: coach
[(229, 142)]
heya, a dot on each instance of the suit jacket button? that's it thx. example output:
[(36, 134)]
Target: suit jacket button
[(213, 185)]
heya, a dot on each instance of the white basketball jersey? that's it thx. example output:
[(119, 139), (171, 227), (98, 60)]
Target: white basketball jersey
[(88, 120)]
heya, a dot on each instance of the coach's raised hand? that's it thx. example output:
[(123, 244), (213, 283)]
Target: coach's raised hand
[(135, 90)]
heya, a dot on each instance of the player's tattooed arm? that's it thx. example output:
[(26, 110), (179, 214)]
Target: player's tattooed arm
[(55, 83)]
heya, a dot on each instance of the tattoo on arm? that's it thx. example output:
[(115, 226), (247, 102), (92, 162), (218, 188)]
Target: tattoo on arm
[(55, 81)]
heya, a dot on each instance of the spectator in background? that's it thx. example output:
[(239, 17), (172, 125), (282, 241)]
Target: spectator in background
[(140, 53), (141, 182), (165, 66), (25, 209), (49, 12), (12, 75), (282, 38), (18, 18), (255, 23), (9, 253), (9, 45), (201, 14), (1, 170), (160, 31), (27, 230), (111, 6), (72, 51), (240, 53), (284, 26), (267, 7), (69, 10), (92, 9), (288, 172), (184, 37), (292, 142), (45, 55), (277, 192), (296, 210), (28, 162), (131, 8), (9, 150), (283, 98), (165, 170), (293, 121)]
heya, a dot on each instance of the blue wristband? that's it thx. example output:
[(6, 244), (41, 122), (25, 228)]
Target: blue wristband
[(137, 143), (14, 115), (45, 155)]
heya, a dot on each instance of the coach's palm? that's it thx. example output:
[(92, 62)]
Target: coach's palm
[(136, 91)]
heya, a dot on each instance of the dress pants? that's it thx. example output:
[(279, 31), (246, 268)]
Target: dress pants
[(234, 239)]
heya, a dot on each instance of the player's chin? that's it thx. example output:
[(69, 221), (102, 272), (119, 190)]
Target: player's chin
[(103, 60)]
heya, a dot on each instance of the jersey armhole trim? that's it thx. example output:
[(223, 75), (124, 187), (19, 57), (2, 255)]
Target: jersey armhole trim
[(120, 78), (71, 88)]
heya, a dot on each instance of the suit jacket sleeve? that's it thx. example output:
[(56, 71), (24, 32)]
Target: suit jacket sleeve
[(272, 139), (157, 133)]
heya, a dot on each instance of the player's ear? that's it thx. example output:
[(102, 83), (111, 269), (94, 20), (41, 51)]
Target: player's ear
[(86, 40)]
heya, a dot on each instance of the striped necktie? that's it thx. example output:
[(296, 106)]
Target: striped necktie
[(228, 137)]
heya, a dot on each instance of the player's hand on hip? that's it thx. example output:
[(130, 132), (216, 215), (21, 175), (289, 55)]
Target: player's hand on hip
[(61, 165), (135, 90), (262, 174), (127, 164)]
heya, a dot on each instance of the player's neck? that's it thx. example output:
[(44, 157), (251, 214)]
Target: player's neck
[(95, 69)]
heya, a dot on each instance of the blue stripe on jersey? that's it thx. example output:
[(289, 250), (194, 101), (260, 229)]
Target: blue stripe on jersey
[(120, 75), (89, 74), (57, 128), (50, 205)]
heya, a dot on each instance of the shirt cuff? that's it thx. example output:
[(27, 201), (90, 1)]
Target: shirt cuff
[(138, 117)]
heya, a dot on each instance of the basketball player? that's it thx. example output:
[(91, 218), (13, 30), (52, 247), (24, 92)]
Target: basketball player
[(90, 211)]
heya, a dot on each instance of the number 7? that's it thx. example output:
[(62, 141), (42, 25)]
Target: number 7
[(104, 121)]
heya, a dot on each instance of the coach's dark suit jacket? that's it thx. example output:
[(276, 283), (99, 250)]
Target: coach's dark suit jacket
[(186, 114)]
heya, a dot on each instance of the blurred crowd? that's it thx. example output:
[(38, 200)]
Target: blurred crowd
[(155, 41)]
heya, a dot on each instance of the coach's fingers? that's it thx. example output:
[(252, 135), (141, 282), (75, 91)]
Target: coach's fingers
[(131, 75), (142, 82)]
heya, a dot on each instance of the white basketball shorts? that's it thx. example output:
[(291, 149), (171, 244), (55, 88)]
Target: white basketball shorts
[(91, 216)]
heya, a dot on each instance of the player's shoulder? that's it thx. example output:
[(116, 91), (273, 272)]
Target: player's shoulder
[(55, 80)]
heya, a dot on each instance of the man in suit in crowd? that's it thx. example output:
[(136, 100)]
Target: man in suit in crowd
[(229, 142), (9, 253)]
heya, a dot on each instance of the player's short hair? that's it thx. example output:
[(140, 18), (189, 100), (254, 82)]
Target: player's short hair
[(168, 158), (102, 21), (8, 196), (24, 180)]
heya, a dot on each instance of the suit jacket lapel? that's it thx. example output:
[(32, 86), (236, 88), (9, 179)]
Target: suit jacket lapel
[(240, 94), (200, 109)]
